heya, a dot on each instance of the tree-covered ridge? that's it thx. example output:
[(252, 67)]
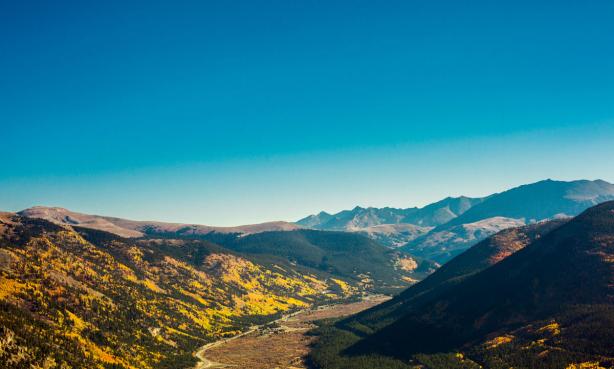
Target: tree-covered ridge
[(77, 298), (349, 255)]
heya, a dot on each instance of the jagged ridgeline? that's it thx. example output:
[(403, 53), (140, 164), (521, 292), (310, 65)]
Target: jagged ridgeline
[(539, 296), (446, 228), (74, 297)]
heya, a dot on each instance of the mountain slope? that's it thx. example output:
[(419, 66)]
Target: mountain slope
[(525, 204), (316, 220), (548, 305), (442, 211), (443, 244), (356, 218), (394, 235), (359, 218), (349, 255), (477, 258), (391, 226), (454, 224), (540, 200), (133, 228), (83, 298), (555, 298)]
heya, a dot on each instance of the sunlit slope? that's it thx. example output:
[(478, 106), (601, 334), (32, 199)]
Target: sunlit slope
[(82, 298)]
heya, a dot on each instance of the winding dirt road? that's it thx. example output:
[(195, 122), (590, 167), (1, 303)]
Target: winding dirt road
[(206, 363), (281, 343)]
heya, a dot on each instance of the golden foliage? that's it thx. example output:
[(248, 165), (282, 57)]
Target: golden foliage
[(497, 341), (85, 290), (586, 365), (553, 328)]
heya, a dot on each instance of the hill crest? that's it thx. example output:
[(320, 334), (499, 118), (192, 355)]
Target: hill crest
[(134, 228)]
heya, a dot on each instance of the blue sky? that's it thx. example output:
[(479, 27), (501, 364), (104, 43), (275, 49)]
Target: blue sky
[(230, 112)]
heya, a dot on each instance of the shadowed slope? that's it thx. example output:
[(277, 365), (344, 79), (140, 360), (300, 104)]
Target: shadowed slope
[(570, 266), (479, 257)]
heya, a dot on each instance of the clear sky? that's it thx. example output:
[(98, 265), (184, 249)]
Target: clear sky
[(231, 112)]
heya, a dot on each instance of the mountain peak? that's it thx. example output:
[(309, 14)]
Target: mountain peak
[(540, 200)]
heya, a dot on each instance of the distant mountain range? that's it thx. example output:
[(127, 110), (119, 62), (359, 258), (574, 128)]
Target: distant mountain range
[(360, 218), (538, 296), (444, 229), (391, 226)]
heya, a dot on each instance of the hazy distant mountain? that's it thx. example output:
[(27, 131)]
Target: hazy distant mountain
[(355, 219), (547, 305), (540, 200), (445, 228), (391, 226), (442, 245), (394, 235), (442, 211), (359, 218), (521, 205), (133, 228), (314, 221)]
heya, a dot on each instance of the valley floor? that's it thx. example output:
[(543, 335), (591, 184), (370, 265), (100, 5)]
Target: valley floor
[(282, 343)]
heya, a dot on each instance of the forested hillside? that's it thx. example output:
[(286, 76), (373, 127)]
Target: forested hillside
[(82, 298), (349, 255)]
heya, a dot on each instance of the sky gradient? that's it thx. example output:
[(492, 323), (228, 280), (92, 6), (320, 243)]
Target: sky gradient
[(236, 112)]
